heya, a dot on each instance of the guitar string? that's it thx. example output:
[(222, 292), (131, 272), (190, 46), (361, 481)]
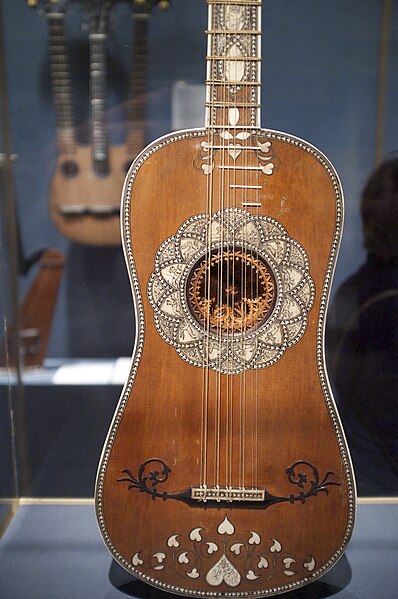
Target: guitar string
[(260, 179), (242, 390), (244, 194), (257, 95), (232, 173), (253, 272), (231, 275), (221, 48), (254, 374), (225, 98), (218, 116), (222, 119), (230, 98), (206, 288)]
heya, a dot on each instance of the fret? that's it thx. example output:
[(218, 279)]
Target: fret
[(233, 78), (227, 146), (222, 127), (214, 82), (235, 2), (246, 186), (238, 168), (234, 105), (234, 58), (233, 32)]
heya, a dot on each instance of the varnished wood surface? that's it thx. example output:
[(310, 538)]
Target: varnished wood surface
[(162, 418), (89, 189)]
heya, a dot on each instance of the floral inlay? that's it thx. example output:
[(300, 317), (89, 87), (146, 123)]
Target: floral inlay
[(224, 556), (257, 327)]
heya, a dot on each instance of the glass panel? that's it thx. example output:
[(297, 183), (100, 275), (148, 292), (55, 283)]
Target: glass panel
[(87, 89), (8, 297)]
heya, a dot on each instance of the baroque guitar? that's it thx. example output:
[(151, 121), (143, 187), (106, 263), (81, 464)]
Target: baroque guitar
[(225, 471)]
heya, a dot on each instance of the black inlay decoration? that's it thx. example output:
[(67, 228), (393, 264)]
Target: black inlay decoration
[(302, 474)]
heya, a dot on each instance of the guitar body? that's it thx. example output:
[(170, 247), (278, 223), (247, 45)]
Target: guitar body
[(228, 475), (84, 206)]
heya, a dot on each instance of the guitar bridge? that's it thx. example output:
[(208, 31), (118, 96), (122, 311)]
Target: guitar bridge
[(73, 210), (229, 494)]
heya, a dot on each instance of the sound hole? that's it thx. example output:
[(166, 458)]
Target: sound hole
[(69, 169), (232, 292)]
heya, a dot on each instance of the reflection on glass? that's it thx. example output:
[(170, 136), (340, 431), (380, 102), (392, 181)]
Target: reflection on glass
[(362, 341)]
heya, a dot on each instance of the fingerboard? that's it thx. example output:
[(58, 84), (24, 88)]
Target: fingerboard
[(97, 42), (136, 106), (233, 64), (61, 82)]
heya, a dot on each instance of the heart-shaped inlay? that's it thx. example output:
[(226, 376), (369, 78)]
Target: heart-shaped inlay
[(193, 573), (207, 168), (211, 548), (310, 565), (223, 571), (268, 169), (183, 558), (265, 146), (255, 538), (276, 547), (263, 562), (226, 527), (159, 556), (172, 541), (236, 548), (136, 560), (235, 151), (195, 535)]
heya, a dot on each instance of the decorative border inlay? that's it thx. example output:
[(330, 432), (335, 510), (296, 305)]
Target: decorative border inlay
[(253, 348)]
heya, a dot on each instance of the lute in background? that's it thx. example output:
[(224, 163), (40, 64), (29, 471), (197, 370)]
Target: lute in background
[(226, 472), (84, 192)]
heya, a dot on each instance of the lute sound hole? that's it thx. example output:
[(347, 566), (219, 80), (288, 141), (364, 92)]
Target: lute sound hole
[(232, 292)]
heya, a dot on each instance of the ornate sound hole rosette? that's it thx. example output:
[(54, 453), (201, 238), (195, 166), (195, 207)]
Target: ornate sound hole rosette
[(203, 310), (231, 290)]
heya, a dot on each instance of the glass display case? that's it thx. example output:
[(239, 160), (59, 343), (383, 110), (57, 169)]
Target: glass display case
[(85, 85)]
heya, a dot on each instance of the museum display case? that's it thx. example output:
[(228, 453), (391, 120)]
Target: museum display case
[(85, 86)]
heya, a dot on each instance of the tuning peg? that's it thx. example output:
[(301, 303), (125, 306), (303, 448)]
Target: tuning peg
[(31, 3), (163, 4)]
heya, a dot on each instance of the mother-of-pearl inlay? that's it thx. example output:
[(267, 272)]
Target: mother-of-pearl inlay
[(244, 348), (244, 556)]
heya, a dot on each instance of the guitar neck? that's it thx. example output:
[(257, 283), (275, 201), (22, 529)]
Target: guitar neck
[(61, 82), (233, 64), (100, 143), (136, 109)]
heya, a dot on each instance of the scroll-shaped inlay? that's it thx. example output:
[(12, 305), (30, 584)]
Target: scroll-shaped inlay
[(231, 291)]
